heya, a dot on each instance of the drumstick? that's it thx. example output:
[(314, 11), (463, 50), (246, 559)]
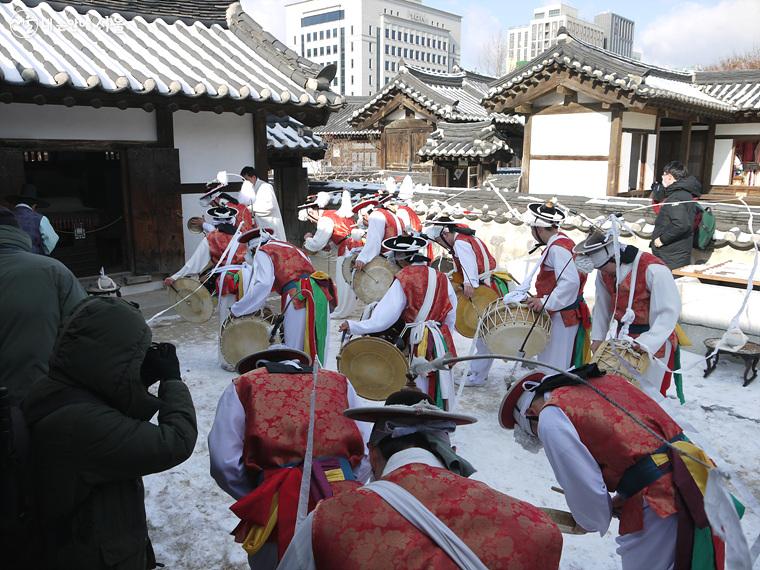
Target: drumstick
[(558, 490), (368, 275)]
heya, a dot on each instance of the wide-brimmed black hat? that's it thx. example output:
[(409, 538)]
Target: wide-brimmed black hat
[(405, 244), (272, 354), (28, 196), (407, 406)]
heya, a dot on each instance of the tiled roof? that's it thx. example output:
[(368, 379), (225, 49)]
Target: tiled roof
[(338, 124), (285, 135), (633, 78), (465, 140), (208, 11), (739, 87), (39, 45), (453, 97)]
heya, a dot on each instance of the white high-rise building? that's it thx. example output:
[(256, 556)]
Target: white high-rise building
[(366, 39), (526, 42)]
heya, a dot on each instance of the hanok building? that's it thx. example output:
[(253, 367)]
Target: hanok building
[(465, 154), (349, 150), (598, 124), (119, 112), (411, 106)]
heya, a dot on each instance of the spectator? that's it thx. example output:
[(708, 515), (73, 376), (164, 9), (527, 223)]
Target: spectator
[(92, 450), (673, 233), (37, 293), (39, 228)]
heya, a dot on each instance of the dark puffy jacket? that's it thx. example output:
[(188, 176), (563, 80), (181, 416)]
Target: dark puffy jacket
[(90, 456), (674, 224)]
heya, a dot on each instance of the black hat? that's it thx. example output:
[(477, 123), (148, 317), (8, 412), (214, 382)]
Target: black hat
[(275, 353), (28, 196)]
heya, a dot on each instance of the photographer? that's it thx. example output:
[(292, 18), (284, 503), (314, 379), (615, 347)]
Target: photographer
[(92, 438)]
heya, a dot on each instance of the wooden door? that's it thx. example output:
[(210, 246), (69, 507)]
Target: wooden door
[(11, 171), (697, 152), (155, 209), (397, 149)]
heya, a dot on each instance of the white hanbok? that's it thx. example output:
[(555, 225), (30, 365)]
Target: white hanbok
[(385, 314), (262, 200), (664, 311), (320, 240), (374, 238), (579, 475)]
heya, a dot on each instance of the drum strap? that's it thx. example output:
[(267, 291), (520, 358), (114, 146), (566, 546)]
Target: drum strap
[(629, 315), (418, 327)]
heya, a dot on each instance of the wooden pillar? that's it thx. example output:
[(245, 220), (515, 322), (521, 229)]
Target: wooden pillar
[(292, 181), (613, 161), (657, 163), (164, 128), (708, 158), (525, 179), (685, 143), (260, 157)]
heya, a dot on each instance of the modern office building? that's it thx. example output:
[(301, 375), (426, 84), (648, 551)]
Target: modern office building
[(366, 39), (618, 33), (609, 31)]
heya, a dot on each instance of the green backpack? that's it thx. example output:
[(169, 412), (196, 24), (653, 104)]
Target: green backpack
[(704, 227)]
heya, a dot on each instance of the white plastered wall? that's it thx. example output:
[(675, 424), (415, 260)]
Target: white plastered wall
[(208, 143), (56, 122), (737, 129), (571, 135), (722, 162)]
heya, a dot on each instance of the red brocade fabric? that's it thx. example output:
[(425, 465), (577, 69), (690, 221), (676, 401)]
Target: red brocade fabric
[(290, 263), (392, 224), (358, 529), (243, 215), (277, 419), (487, 264), (218, 242), (341, 235), (546, 281), (641, 296), (414, 282), (617, 443)]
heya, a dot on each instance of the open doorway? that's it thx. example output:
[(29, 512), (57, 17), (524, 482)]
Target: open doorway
[(84, 189)]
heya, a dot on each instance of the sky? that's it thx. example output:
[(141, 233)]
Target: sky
[(674, 33)]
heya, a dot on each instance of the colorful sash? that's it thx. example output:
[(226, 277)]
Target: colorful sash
[(582, 344), (274, 502), (318, 306)]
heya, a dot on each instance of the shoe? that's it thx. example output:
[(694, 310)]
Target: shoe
[(471, 382), (227, 367)]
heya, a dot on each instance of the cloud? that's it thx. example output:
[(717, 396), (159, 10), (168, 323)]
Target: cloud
[(269, 13), (697, 35), (480, 30)]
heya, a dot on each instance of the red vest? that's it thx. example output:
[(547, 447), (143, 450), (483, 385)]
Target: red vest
[(277, 419), (341, 235), (414, 220), (243, 215), (414, 281), (290, 263), (546, 281), (392, 225), (641, 295), (358, 529), (218, 242), (485, 263), (617, 443)]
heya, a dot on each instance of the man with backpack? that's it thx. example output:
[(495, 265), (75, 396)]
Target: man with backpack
[(673, 235)]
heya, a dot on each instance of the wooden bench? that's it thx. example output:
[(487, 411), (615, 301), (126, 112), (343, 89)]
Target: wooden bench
[(749, 353)]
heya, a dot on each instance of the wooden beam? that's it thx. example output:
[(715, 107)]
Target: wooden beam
[(583, 157), (685, 147), (260, 157), (39, 99), (525, 179), (657, 165), (6, 97), (524, 109), (613, 162), (69, 101)]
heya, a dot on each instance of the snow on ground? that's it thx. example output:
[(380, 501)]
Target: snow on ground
[(189, 518)]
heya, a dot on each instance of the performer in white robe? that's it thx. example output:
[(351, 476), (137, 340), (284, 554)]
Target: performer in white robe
[(411, 290), (334, 231), (221, 228), (653, 304), (382, 224), (261, 197), (259, 277), (559, 286)]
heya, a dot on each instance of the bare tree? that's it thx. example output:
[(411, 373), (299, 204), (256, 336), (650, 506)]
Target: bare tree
[(493, 54), (747, 60)]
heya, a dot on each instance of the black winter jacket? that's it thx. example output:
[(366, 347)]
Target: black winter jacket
[(674, 224), (90, 456)]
